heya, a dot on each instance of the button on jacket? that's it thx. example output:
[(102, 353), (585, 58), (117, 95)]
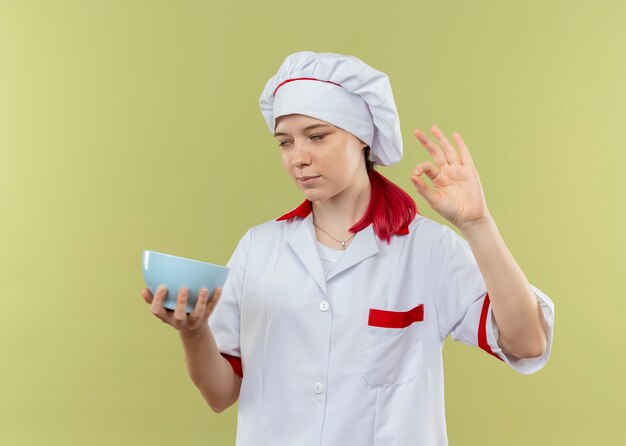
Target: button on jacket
[(354, 358)]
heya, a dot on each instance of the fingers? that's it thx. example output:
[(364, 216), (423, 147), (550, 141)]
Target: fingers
[(199, 310), (180, 313), (428, 168), (447, 154), (431, 147), (147, 295), (466, 158), (157, 304), (425, 191), (179, 318), (204, 307), (448, 150), (214, 300)]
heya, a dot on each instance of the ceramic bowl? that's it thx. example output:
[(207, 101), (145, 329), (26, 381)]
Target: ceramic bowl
[(175, 272)]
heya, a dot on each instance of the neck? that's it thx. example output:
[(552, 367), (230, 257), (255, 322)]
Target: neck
[(339, 213)]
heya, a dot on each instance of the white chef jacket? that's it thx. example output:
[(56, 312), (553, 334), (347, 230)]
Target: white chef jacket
[(354, 358)]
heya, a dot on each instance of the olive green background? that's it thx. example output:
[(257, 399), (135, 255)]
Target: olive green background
[(131, 125)]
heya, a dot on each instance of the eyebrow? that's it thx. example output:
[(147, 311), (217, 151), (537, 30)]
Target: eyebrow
[(304, 129)]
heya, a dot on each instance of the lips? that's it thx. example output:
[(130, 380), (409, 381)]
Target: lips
[(307, 180), (307, 177)]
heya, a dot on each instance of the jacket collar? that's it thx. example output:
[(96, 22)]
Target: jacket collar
[(306, 207), (302, 242), (301, 211)]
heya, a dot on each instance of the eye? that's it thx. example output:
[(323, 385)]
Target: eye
[(282, 143), (318, 137)]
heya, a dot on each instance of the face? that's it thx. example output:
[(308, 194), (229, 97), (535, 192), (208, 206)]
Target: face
[(323, 160)]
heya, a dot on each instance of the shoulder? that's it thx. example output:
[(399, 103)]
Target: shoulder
[(437, 238), (273, 227), (271, 232), (423, 227), (257, 238)]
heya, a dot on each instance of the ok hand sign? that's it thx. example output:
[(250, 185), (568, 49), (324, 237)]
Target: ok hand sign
[(457, 195)]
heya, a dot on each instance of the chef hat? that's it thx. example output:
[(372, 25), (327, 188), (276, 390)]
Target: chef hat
[(341, 90)]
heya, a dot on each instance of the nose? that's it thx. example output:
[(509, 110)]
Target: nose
[(300, 156)]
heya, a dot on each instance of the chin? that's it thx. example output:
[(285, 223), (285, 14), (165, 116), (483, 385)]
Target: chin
[(313, 195), (317, 195)]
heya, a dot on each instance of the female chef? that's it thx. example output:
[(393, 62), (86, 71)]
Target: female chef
[(330, 327)]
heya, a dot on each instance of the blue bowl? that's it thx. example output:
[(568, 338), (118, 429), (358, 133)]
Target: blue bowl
[(176, 272)]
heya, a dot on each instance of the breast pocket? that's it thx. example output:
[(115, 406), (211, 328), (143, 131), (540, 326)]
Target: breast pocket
[(393, 346)]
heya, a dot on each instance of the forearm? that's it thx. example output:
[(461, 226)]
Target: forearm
[(515, 308), (209, 370)]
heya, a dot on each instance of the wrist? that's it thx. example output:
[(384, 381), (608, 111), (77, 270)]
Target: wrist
[(479, 228), (194, 334)]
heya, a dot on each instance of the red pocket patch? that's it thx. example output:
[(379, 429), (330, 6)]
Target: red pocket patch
[(395, 319)]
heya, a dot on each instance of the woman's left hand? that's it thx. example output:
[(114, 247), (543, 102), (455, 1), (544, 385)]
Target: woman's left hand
[(457, 195)]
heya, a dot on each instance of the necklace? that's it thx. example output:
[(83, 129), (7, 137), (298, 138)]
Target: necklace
[(343, 242)]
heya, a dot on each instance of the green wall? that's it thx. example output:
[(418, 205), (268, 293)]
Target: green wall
[(127, 125)]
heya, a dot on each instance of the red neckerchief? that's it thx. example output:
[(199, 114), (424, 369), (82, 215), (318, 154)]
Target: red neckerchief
[(306, 208)]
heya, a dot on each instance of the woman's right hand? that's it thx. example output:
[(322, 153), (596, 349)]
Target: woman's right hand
[(178, 318)]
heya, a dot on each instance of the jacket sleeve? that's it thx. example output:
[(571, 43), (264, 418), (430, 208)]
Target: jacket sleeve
[(224, 322), (463, 305)]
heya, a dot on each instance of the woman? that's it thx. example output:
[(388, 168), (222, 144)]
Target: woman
[(330, 328)]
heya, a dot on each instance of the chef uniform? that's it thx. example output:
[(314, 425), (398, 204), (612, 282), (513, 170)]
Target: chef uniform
[(345, 347)]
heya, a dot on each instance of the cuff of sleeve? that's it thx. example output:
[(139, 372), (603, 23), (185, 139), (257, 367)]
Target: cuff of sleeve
[(235, 363), (525, 366)]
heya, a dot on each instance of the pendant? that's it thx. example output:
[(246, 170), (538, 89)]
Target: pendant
[(343, 245)]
